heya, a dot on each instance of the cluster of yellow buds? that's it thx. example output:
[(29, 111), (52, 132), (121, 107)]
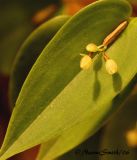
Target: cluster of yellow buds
[(110, 64), (86, 61)]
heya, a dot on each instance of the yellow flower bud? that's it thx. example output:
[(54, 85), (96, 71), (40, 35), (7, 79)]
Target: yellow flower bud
[(86, 62), (111, 66), (92, 47)]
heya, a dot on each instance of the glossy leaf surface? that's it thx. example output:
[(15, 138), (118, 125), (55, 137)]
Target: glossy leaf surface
[(30, 51)]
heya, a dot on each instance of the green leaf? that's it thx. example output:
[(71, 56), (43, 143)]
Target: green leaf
[(114, 136), (30, 51), (57, 96), (74, 136), (81, 151), (92, 144)]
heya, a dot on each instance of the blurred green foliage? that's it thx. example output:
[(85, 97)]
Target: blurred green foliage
[(15, 25)]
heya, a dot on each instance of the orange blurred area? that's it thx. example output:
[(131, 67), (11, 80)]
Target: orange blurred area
[(44, 14), (73, 6), (132, 138), (27, 155)]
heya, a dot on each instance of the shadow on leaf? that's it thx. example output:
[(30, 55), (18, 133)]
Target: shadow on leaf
[(96, 67), (117, 82)]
